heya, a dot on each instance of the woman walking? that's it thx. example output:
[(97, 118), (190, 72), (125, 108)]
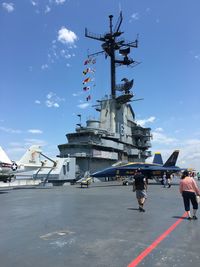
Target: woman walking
[(189, 189)]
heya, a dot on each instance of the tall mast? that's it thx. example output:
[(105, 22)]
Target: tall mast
[(111, 43), (112, 61)]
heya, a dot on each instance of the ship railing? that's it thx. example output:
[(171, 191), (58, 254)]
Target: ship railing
[(137, 132), (144, 145), (141, 133)]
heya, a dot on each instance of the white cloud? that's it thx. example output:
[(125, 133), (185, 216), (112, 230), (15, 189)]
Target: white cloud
[(65, 54), (9, 130), (197, 57), (50, 95), (145, 121), (14, 144), (78, 93), (178, 131), (83, 105), (30, 142), (45, 6), (44, 66), (51, 104), (34, 3), (66, 36), (52, 100), (161, 138), (134, 16), (159, 129), (193, 142), (9, 7), (47, 9), (35, 131), (59, 52), (190, 154), (60, 2)]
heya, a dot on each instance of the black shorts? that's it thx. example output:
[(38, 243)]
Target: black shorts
[(187, 197)]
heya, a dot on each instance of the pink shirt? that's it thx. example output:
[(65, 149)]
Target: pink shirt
[(189, 184)]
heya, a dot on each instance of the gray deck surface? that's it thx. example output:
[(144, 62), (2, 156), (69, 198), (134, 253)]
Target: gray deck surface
[(98, 226)]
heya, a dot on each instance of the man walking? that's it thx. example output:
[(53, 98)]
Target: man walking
[(141, 187)]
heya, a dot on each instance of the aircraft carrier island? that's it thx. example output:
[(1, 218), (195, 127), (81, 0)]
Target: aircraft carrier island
[(115, 137)]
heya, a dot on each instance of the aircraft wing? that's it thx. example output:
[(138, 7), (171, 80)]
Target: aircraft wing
[(117, 171), (109, 172), (130, 170)]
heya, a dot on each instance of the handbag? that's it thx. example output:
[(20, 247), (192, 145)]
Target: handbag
[(198, 199)]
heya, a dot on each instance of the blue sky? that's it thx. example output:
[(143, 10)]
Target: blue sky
[(42, 56)]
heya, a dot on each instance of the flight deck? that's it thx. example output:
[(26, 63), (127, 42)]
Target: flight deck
[(101, 226)]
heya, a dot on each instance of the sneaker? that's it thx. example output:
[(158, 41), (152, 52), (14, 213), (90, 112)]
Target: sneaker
[(195, 217), (189, 218)]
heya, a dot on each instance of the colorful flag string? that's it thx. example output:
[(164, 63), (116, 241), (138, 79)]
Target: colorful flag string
[(88, 70)]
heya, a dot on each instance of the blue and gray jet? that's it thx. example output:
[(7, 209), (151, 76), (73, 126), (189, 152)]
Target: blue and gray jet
[(156, 168)]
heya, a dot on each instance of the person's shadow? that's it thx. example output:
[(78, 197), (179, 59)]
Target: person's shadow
[(132, 209), (3, 192)]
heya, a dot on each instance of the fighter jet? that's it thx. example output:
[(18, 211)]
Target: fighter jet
[(29, 161), (151, 170)]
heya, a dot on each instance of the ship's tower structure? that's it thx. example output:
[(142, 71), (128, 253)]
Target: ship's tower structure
[(115, 136)]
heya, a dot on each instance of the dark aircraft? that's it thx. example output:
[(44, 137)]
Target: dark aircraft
[(151, 170)]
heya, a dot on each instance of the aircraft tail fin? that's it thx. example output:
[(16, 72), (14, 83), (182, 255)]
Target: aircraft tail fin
[(31, 157), (172, 159), (158, 158), (3, 157)]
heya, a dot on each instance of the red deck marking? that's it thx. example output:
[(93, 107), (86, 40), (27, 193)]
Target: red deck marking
[(143, 254)]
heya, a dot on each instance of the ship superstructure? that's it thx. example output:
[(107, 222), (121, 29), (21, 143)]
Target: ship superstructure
[(115, 137)]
